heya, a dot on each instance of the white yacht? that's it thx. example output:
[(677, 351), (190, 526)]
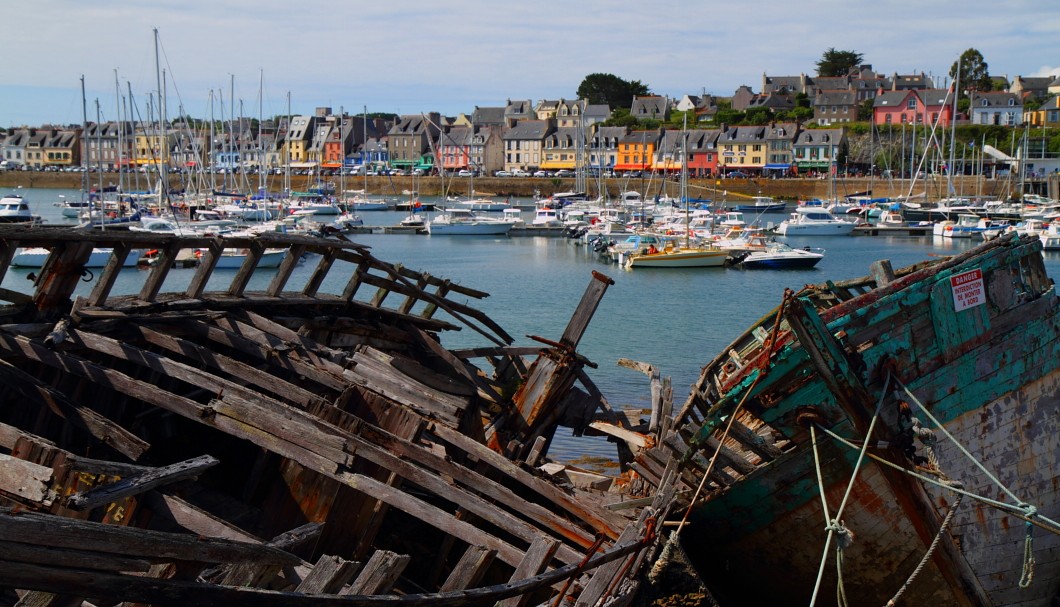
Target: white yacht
[(814, 221)]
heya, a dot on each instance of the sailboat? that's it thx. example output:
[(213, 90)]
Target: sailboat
[(685, 255), (361, 201)]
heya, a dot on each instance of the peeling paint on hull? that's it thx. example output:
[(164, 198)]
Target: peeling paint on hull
[(990, 373)]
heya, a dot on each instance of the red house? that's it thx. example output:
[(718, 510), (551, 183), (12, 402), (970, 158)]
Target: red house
[(924, 106)]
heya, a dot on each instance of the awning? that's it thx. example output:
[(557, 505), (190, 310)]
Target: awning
[(778, 166), (303, 165)]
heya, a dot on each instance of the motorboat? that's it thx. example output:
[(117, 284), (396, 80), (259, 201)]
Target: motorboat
[(760, 204), (233, 258), (465, 222), (344, 223), (966, 226), (14, 209), (814, 221), (546, 217), (779, 255)]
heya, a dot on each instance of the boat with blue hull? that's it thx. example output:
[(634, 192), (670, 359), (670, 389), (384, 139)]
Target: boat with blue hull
[(888, 440)]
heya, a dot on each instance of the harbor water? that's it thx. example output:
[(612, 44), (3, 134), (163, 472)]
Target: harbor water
[(677, 319)]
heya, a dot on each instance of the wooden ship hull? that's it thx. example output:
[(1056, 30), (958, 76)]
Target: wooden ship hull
[(947, 374), (309, 444)]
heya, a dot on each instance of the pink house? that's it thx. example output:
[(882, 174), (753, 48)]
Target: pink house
[(924, 106)]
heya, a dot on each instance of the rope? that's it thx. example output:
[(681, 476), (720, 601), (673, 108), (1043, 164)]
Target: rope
[(835, 525), (1028, 555), (1017, 511), (927, 555)]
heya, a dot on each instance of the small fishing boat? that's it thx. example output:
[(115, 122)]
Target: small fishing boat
[(888, 439)]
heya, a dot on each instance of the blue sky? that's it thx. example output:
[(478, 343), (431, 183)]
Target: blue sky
[(412, 56)]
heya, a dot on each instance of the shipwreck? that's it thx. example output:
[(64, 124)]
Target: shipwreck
[(301, 444)]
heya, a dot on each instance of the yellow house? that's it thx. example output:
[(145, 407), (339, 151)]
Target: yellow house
[(150, 148), (1046, 115), (742, 148)]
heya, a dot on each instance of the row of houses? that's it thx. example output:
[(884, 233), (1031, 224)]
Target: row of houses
[(548, 135)]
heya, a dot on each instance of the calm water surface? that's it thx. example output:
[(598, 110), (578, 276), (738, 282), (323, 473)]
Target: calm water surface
[(676, 319)]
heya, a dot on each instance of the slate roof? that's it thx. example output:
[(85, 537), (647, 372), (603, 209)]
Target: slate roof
[(820, 136), (533, 130), (835, 98), (994, 99), (742, 134)]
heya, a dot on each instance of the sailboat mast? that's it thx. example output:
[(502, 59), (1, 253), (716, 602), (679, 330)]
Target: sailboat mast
[(84, 129), (260, 147)]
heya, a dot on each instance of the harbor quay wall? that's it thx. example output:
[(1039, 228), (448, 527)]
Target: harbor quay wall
[(525, 187)]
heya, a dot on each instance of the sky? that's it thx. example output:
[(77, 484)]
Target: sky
[(414, 56)]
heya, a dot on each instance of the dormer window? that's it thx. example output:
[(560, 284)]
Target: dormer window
[(1012, 102), (984, 103)]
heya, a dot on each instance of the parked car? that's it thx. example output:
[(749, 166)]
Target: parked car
[(564, 173), (465, 173), (520, 173), (502, 174), (542, 174), (737, 174)]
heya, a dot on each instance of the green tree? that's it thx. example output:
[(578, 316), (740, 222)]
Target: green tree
[(621, 117), (610, 89), (974, 73), (758, 115), (837, 63), (802, 100), (865, 110), (729, 116)]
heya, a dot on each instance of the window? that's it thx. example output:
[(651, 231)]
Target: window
[(911, 104)]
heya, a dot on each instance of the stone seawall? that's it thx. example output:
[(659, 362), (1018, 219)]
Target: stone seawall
[(786, 189)]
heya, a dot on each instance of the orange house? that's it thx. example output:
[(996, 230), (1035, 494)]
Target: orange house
[(636, 150)]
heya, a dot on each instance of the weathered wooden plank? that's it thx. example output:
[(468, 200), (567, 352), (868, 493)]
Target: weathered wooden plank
[(586, 308), (157, 276), (602, 522), (388, 381), (387, 456), (195, 519), (260, 346), (469, 570), (535, 561), (71, 557), (226, 365), (128, 487), (634, 439), (432, 516), (379, 573), (329, 575), (76, 414), (382, 448), (287, 267), (62, 532), (24, 480), (110, 273), (320, 272), (47, 599)]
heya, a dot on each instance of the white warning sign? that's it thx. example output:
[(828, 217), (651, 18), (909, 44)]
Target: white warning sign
[(968, 290)]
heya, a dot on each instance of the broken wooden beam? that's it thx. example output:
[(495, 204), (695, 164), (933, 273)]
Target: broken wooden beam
[(128, 487)]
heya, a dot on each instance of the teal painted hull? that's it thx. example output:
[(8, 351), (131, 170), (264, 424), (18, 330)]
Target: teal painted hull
[(976, 339)]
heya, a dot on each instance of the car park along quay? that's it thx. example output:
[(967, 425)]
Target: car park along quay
[(726, 189)]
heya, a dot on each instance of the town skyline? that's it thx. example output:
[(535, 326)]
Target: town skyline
[(410, 57)]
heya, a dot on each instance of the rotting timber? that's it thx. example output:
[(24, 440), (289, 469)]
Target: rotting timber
[(309, 444)]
